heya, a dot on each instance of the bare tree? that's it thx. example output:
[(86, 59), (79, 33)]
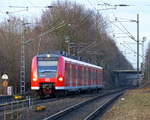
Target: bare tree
[(10, 50), (85, 29)]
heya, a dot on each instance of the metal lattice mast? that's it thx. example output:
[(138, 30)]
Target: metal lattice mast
[(22, 65)]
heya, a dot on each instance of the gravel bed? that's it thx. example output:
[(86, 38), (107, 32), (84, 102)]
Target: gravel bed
[(56, 106), (84, 111)]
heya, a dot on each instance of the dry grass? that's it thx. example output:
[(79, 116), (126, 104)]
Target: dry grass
[(134, 106)]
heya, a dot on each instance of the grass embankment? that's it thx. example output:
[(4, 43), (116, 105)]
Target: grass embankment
[(134, 105)]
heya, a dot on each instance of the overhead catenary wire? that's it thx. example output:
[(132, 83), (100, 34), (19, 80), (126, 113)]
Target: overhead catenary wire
[(83, 49), (129, 48), (62, 24), (49, 6), (120, 29), (28, 1), (48, 31), (93, 43), (129, 34), (85, 18)]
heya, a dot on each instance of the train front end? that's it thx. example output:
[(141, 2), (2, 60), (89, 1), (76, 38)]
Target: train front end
[(44, 74)]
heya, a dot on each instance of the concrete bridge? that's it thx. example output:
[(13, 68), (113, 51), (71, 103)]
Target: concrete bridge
[(126, 77)]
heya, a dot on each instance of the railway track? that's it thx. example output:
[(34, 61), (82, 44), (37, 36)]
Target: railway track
[(12, 109), (23, 103), (86, 110), (33, 101), (58, 104)]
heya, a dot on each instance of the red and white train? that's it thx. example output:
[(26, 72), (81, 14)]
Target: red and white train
[(52, 74)]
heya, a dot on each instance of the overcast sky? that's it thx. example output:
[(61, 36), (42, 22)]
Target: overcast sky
[(127, 45)]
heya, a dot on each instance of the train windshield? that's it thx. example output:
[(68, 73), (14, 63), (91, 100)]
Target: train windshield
[(47, 68)]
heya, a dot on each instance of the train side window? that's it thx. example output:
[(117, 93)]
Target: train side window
[(91, 76), (66, 73), (68, 69), (79, 75), (99, 78), (70, 74), (74, 74), (84, 76), (94, 77), (87, 76)]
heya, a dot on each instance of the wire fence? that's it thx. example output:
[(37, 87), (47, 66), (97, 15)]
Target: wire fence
[(16, 110)]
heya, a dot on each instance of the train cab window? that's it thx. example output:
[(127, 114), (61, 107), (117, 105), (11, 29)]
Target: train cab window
[(47, 68)]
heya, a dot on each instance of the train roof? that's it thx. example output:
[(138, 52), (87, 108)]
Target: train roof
[(81, 62), (47, 55), (70, 60)]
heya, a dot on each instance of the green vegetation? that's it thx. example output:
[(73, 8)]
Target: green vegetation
[(134, 105)]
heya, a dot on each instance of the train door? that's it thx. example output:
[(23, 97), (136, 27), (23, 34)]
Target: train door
[(73, 75), (66, 77), (79, 76), (84, 76), (89, 77)]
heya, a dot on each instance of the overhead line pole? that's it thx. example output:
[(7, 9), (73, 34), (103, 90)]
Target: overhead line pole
[(137, 39), (137, 43), (22, 64)]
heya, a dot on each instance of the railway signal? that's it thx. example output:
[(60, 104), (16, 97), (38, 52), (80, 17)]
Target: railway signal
[(4, 78)]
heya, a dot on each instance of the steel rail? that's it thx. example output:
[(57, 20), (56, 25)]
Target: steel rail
[(102, 107), (74, 107)]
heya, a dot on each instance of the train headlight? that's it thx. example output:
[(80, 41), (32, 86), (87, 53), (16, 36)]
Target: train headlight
[(34, 76), (34, 79), (48, 55), (60, 79)]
